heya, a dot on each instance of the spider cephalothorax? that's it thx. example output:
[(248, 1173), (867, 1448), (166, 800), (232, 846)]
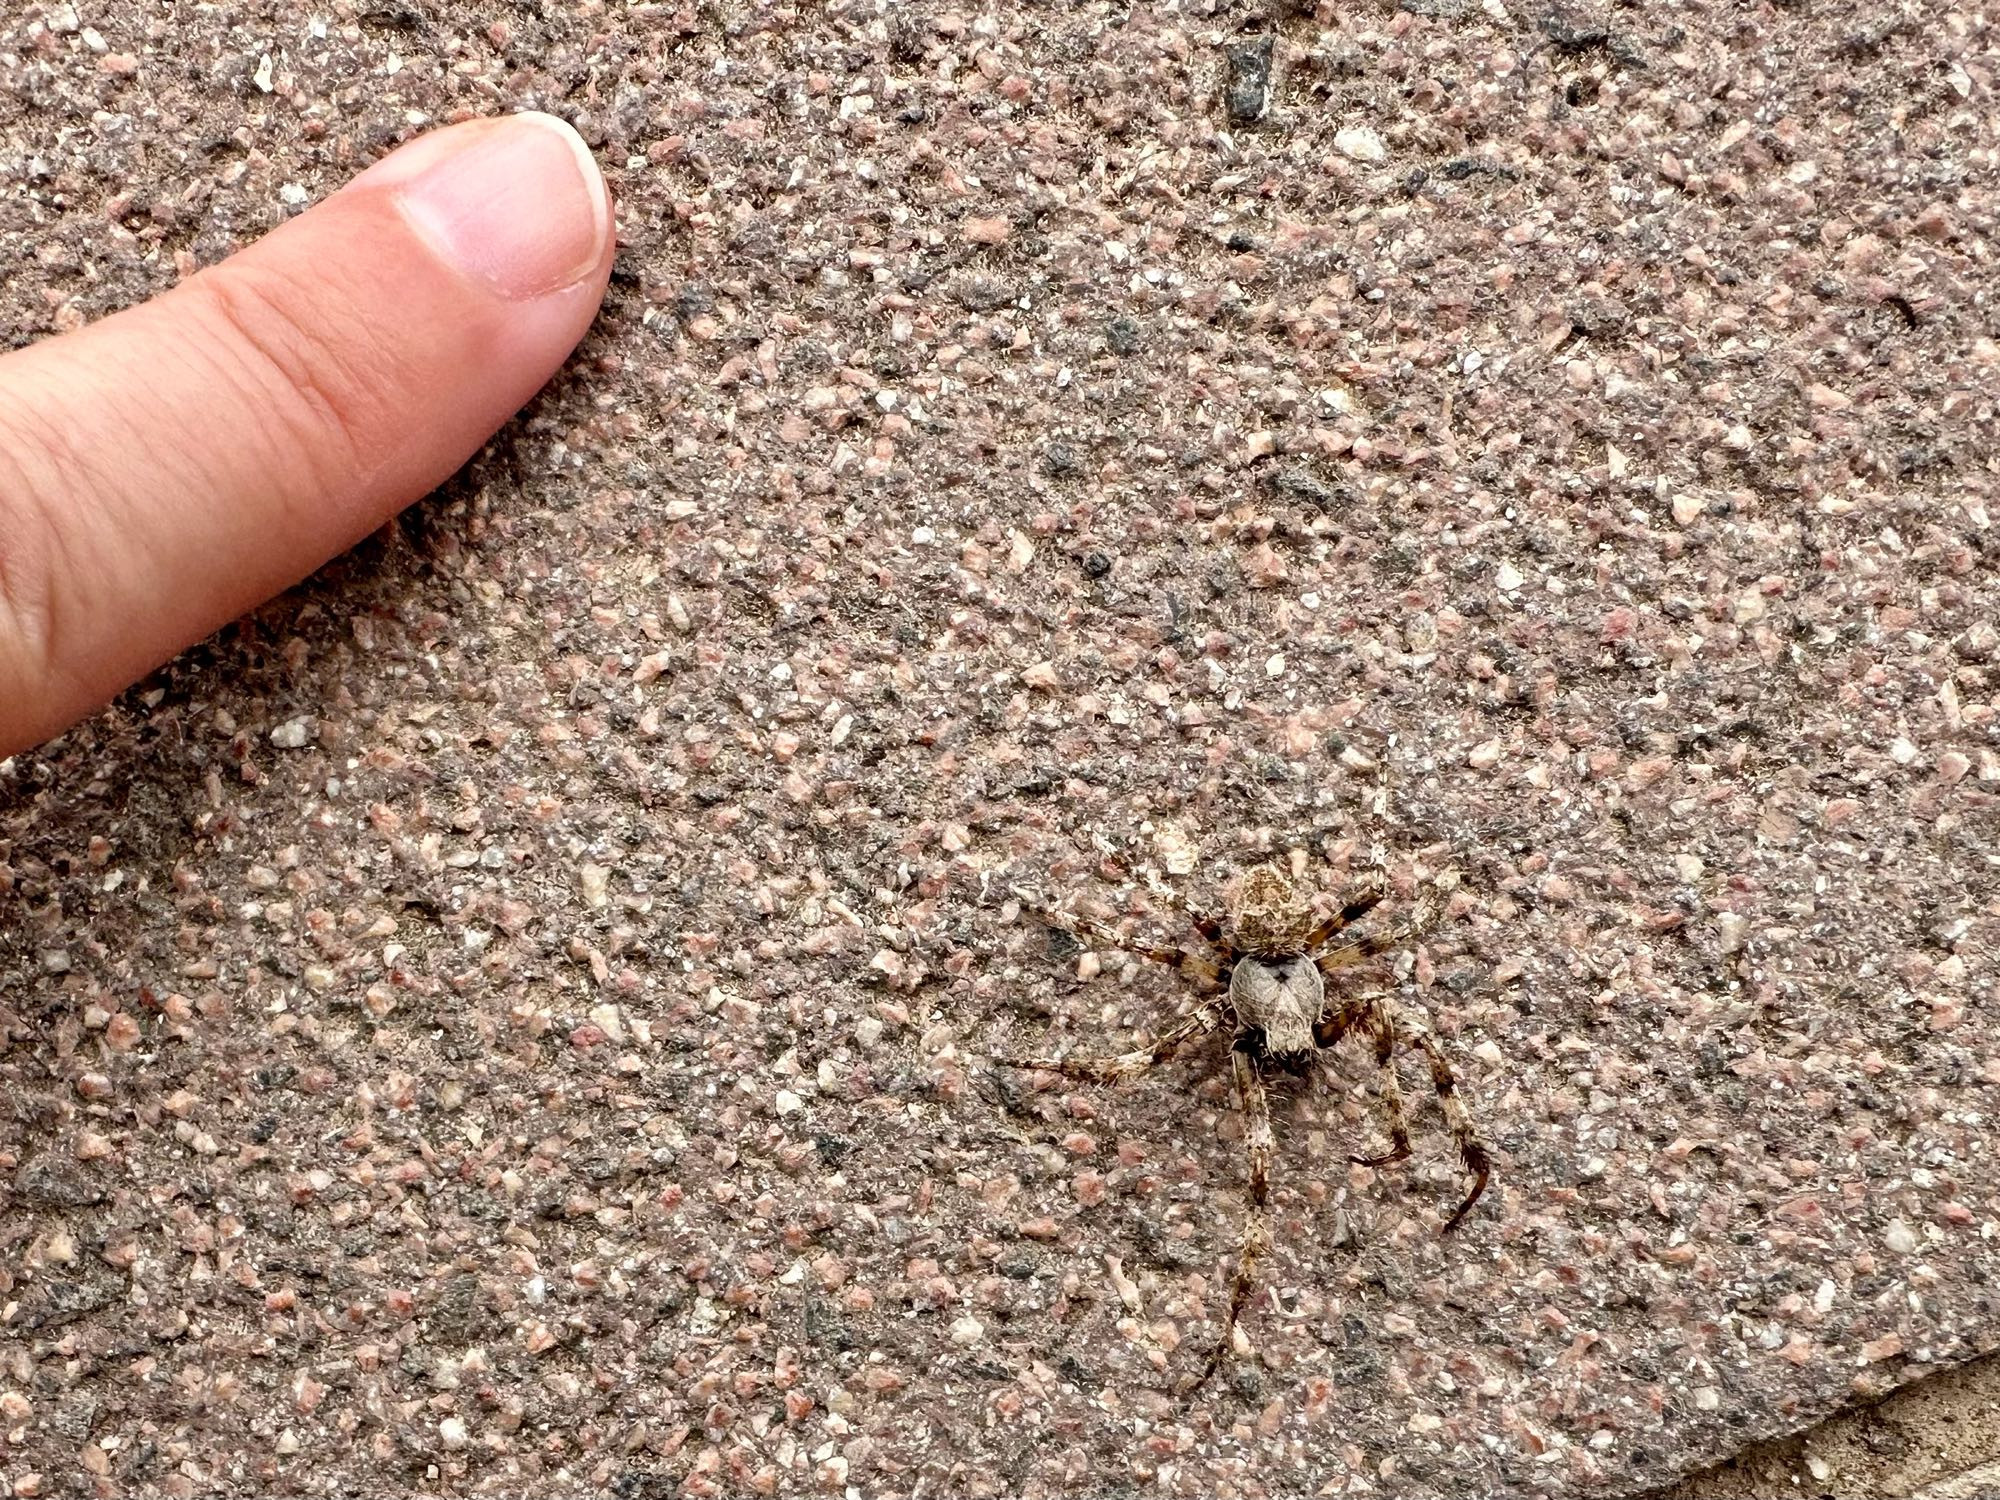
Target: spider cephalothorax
[(1264, 969), (1268, 914)]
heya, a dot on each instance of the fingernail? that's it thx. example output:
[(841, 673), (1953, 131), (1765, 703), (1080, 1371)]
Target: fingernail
[(516, 203)]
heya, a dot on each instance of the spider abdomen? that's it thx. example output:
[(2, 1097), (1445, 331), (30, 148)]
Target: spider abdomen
[(1280, 997)]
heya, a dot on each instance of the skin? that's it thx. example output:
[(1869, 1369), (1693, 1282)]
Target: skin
[(170, 467)]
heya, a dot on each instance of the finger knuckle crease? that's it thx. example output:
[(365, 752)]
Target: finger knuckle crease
[(33, 561), (312, 374)]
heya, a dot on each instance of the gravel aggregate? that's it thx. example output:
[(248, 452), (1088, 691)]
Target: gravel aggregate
[(509, 1017)]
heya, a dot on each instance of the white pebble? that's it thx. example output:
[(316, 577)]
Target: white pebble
[(967, 1331), (1360, 143)]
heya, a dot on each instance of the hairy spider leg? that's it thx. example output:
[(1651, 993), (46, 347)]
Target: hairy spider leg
[(1367, 894), (1202, 970), (1129, 1064), (1350, 954), (1257, 1224), (1370, 1012), (1471, 1150), (1212, 929)]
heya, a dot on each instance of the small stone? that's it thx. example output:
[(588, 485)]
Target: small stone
[(293, 734), (1360, 143), (1899, 1238), (1687, 509), (1485, 755), (967, 1331), (451, 1432), (1246, 92), (1886, 1347), (1263, 567), (1042, 675), (1979, 643), (1643, 773), (993, 231), (788, 1103), (1178, 852), (1507, 578)]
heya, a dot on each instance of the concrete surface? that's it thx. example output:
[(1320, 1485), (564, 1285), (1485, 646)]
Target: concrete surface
[(507, 1017), (1938, 1439)]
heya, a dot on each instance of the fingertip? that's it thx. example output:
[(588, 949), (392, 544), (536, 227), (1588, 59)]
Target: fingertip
[(516, 204), (281, 405)]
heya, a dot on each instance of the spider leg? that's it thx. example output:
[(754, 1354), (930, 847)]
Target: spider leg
[(1471, 1150), (1364, 898), (1203, 970), (1256, 1225), (1347, 956), (1210, 928), (1129, 1064), (1372, 1012)]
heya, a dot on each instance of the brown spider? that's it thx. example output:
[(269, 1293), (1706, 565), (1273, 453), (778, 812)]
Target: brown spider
[(1264, 976)]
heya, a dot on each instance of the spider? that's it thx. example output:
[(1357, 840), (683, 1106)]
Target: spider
[(1264, 977)]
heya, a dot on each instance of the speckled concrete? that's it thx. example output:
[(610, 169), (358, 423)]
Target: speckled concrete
[(1935, 1439), (508, 1018)]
